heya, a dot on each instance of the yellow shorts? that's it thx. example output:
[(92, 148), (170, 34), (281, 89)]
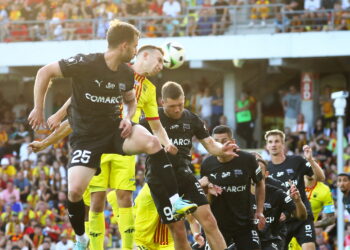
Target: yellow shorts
[(149, 232), (117, 172), (293, 245)]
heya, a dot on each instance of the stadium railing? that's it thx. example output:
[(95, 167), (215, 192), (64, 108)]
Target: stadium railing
[(196, 21)]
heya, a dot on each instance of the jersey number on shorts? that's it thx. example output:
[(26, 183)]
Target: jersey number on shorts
[(82, 156), (168, 213)]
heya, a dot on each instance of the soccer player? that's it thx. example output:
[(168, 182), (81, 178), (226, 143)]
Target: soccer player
[(181, 125), (322, 204), (291, 169), (276, 203), (343, 183), (233, 208), (101, 82)]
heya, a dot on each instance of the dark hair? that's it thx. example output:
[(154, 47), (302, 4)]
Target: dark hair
[(222, 129), (119, 32), (150, 47), (172, 90)]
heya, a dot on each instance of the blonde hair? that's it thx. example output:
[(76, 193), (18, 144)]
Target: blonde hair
[(275, 132)]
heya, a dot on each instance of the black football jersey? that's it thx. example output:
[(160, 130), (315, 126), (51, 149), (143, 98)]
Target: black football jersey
[(346, 201), (181, 132), (276, 202), (97, 90), (233, 209), (293, 168)]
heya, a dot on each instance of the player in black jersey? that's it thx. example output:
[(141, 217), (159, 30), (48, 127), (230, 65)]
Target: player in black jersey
[(291, 169), (100, 83), (181, 125), (343, 183), (233, 208), (277, 201)]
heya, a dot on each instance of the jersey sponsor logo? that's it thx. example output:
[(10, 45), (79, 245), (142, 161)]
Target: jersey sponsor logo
[(287, 199), (279, 174), (110, 85), (225, 174), (214, 175), (122, 86), (180, 142), (290, 171), (176, 126), (287, 185), (186, 126), (269, 219), (103, 99), (234, 189)]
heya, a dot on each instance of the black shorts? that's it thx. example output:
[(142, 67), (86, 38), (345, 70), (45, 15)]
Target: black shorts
[(189, 188), (303, 231), (245, 239), (87, 150)]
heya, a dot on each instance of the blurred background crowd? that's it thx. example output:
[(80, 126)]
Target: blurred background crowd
[(41, 20)]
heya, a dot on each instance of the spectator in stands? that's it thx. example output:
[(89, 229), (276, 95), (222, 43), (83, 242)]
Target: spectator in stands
[(206, 24), (301, 126), (291, 104), (10, 190), (171, 8), (206, 110), (23, 184), (217, 106), (222, 16), (47, 244), (260, 10), (3, 140), (281, 23), (64, 243), (7, 168)]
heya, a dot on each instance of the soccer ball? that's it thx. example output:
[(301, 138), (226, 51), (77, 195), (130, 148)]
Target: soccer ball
[(174, 55)]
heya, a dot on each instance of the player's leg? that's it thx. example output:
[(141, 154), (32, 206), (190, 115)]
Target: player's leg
[(87, 202), (122, 178), (247, 239), (306, 235), (98, 186), (142, 141), (208, 222), (78, 180), (178, 231)]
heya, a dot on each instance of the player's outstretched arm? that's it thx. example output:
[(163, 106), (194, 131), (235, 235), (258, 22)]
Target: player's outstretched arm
[(54, 120), (260, 200), (129, 102), (315, 167), (63, 130), (218, 149), (159, 131), (300, 209), (43, 77)]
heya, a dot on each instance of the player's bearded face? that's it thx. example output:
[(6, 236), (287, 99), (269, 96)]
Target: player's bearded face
[(274, 145), (130, 50), (174, 107)]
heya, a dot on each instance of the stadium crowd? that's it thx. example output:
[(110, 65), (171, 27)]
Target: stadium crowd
[(41, 20), (33, 186)]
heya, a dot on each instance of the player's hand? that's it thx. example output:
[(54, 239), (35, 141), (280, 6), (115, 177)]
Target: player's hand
[(198, 237), (54, 122), (36, 146), (230, 149), (126, 127), (214, 189), (36, 118), (261, 220), (307, 152), (294, 193), (171, 148)]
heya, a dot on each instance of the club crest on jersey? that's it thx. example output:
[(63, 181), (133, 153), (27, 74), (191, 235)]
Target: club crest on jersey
[(238, 172), (110, 85), (186, 126), (290, 171), (122, 86)]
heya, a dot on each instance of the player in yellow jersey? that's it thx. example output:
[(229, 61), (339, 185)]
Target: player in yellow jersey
[(322, 204), (149, 62)]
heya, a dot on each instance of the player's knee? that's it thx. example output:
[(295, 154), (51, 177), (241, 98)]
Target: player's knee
[(75, 194), (124, 198), (177, 229), (153, 145)]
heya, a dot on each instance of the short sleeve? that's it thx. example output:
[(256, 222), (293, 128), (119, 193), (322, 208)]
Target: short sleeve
[(73, 66), (307, 169), (200, 131), (257, 173), (287, 203), (151, 107)]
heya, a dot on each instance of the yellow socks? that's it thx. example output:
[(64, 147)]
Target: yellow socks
[(97, 230), (126, 227)]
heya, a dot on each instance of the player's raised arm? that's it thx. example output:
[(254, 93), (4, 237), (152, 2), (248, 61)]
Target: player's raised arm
[(43, 77), (218, 149), (54, 120), (162, 135), (129, 101), (314, 165), (61, 132)]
